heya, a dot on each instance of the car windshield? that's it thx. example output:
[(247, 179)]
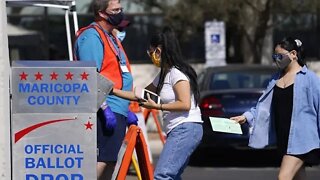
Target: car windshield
[(240, 80)]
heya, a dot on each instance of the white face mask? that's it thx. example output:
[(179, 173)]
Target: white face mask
[(121, 35)]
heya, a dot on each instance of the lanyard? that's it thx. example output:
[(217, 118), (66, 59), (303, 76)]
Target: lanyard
[(113, 43)]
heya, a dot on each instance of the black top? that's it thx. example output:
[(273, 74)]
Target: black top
[(282, 102)]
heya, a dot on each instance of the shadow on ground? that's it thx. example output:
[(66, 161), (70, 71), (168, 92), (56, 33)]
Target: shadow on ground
[(209, 157)]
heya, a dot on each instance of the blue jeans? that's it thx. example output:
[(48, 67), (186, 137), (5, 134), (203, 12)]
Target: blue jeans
[(180, 144)]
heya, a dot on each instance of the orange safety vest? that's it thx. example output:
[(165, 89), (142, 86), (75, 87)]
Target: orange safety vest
[(134, 107), (110, 67)]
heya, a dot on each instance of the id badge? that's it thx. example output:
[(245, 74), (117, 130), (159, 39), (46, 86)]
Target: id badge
[(124, 68)]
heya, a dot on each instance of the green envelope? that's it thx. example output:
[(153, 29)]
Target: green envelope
[(225, 125)]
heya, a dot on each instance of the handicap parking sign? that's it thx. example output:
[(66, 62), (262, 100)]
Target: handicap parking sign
[(215, 38), (215, 43)]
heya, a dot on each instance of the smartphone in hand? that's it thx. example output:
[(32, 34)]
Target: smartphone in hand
[(142, 94)]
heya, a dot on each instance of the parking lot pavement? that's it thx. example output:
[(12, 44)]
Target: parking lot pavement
[(224, 166), (155, 143)]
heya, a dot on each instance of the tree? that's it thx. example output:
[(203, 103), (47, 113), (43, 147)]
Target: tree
[(247, 21)]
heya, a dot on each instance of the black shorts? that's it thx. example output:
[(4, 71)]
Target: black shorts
[(311, 158), (109, 143)]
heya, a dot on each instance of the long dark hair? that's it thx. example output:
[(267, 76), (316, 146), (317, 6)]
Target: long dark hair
[(171, 56), (291, 44)]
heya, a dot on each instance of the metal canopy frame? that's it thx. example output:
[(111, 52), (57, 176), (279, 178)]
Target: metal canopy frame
[(68, 5)]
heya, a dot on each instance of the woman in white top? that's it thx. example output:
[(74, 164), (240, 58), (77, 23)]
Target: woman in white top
[(176, 84)]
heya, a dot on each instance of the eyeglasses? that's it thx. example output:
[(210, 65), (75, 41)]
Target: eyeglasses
[(150, 52), (114, 11), (279, 56)]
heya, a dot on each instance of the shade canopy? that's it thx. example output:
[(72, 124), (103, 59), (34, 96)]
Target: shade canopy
[(67, 5), (19, 31), (32, 2), (20, 36)]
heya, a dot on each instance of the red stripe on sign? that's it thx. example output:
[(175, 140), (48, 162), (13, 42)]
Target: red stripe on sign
[(23, 132)]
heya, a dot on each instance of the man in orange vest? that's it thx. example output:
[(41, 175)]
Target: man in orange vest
[(96, 42)]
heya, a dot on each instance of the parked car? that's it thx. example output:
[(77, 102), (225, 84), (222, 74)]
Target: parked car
[(228, 91)]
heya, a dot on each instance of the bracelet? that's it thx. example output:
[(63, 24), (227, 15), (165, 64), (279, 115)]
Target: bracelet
[(161, 107)]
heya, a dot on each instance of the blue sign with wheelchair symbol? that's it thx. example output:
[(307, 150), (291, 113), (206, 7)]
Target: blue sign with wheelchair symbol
[(215, 38)]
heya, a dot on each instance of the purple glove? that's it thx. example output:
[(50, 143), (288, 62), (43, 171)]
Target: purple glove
[(132, 118), (110, 119)]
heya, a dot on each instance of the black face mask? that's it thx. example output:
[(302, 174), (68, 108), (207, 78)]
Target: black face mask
[(115, 19)]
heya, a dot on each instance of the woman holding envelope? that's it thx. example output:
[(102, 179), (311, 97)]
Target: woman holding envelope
[(288, 112)]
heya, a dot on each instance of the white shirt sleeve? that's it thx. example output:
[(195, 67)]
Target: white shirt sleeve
[(176, 76)]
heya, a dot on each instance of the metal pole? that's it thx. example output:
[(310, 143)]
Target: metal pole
[(46, 33), (68, 35), (5, 155), (318, 27), (51, 6), (75, 17)]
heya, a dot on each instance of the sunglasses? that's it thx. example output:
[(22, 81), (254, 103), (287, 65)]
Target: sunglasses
[(149, 52), (278, 56)]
